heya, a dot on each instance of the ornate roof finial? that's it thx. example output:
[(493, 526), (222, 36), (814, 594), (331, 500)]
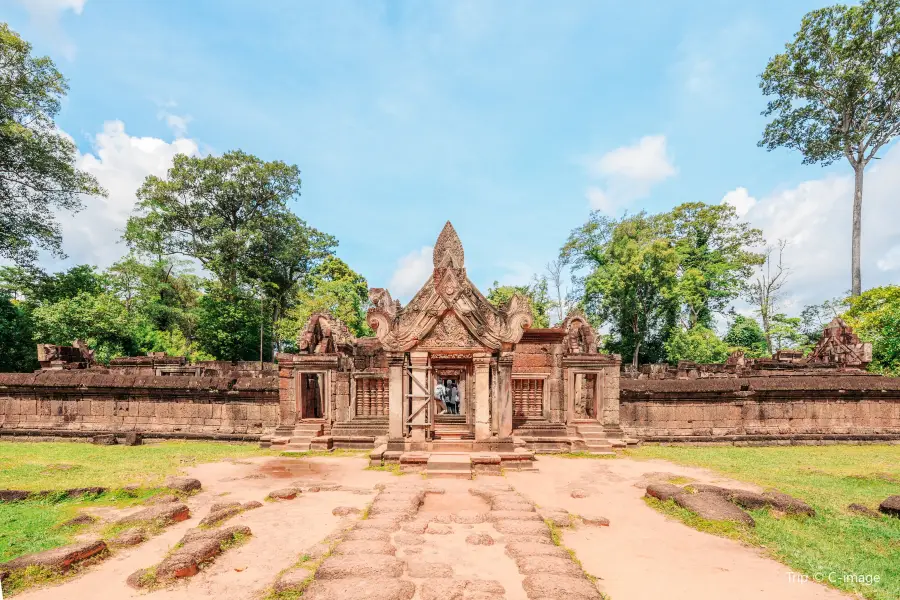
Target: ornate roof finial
[(448, 250)]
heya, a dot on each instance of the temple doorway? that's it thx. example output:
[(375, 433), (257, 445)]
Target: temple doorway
[(310, 403), (449, 385)]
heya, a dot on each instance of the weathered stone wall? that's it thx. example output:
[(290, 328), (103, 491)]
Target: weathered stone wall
[(83, 403), (795, 409)]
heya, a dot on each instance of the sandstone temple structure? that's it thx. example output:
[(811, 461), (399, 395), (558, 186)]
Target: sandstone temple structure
[(450, 372), (549, 389)]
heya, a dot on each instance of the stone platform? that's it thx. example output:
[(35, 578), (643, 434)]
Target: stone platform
[(453, 464)]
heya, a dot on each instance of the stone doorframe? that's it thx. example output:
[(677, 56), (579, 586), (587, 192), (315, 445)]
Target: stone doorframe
[(325, 386), (461, 373), (606, 391)]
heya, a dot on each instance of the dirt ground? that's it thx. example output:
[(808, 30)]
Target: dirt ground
[(641, 555)]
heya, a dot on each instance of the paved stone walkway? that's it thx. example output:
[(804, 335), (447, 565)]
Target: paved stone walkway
[(456, 540)]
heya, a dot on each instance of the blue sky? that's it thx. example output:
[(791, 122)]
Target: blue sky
[(511, 119)]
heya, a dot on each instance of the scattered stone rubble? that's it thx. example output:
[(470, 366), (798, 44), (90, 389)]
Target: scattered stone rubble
[(717, 503)]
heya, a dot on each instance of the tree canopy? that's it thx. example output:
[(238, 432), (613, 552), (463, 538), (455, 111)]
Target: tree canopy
[(38, 172), (836, 93)]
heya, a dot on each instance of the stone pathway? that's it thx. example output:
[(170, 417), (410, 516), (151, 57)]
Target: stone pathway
[(452, 540)]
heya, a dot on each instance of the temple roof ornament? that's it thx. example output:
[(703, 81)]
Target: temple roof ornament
[(448, 313)]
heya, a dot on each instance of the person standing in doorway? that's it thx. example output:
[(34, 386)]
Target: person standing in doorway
[(440, 392), (454, 397)]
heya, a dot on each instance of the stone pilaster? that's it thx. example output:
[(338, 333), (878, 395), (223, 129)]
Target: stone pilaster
[(482, 364), (504, 396), (395, 395), (420, 395)]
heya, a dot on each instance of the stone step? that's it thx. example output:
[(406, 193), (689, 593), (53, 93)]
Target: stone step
[(440, 474), (451, 445), (449, 461)]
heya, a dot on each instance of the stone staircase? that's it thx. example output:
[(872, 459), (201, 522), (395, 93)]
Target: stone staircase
[(302, 436), (452, 428), (594, 437), (449, 465)]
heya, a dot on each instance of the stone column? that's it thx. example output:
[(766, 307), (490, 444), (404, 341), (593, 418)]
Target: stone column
[(504, 396), (609, 387), (482, 396), (287, 400), (420, 395), (395, 395)]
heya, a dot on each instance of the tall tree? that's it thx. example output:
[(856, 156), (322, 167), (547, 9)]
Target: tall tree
[(37, 160), (214, 209), (633, 280), (836, 91), (715, 256)]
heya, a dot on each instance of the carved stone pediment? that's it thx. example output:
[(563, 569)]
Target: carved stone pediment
[(449, 311), (324, 334)]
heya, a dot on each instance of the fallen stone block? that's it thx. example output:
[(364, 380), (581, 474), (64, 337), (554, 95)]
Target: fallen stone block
[(560, 587), (365, 566), (512, 505), (595, 520), (251, 505), (364, 547), (705, 487), (663, 491), (283, 494), (443, 589), (556, 565), (183, 484), (408, 539), (105, 439), (13, 495), (160, 515), (134, 438), (140, 578), (217, 506), (130, 537), (713, 507), (198, 546), (360, 588), (558, 517), (776, 500), (214, 518), (415, 527), (57, 559), (578, 493), (421, 569), (890, 506)]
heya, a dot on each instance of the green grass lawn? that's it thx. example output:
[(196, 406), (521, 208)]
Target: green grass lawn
[(837, 546), (33, 525)]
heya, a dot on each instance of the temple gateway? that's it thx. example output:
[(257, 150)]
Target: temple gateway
[(449, 372)]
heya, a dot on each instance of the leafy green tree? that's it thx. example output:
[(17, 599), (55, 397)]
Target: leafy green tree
[(698, 344), (17, 345), (218, 210), (715, 256), (785, 333), (538, 294), (332, 287), (37, 161), (632, 282), (875, 317), (746, 334), (100, 320), (836, 93), (228, 325)]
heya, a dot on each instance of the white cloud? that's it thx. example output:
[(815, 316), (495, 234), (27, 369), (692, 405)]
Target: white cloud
[(178, 124), (413, 270), (815, 218), (629, 173), (45, 14), (120, 163), (740, 199)]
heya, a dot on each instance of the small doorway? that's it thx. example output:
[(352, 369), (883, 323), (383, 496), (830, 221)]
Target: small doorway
[(310, 403), (449, 385)]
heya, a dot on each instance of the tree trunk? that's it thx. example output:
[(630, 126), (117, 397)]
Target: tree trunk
[(856, 287), (634, 359), (262, 321)]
